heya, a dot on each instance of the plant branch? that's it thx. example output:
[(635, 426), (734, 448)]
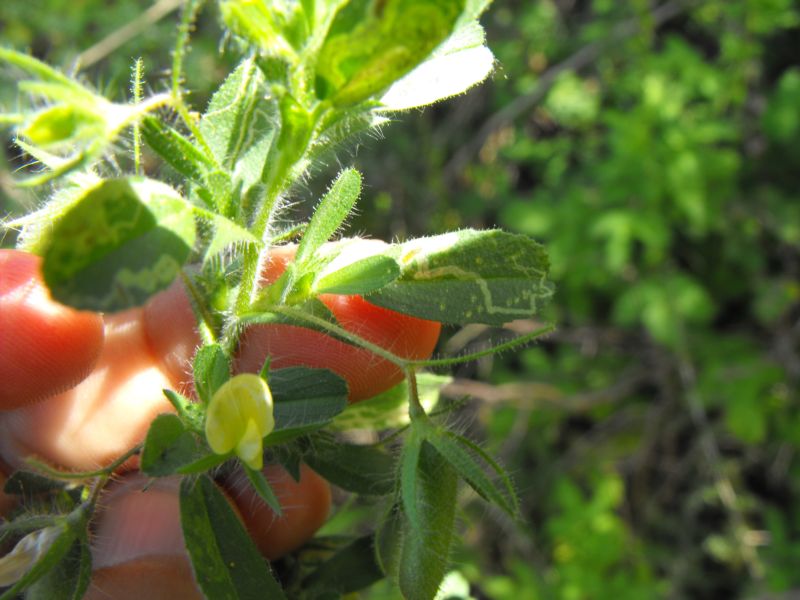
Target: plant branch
[(56, 474), (124, 34)]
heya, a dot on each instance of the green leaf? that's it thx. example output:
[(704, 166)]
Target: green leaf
[(457, 65), (351, 569), (469, 276), (212, 368), (329, 214), (409, 463), (69, 579), (456, 450), (371, 45), (359, 277), (43, 71), (226, 234), (304, 399), (121, 242), (168, 447), (427, 541), (389, 542), (54, 126), (178, 152), (263, 489), (263, 25), (226, 562), (389, 409), (360, 469), (204, 464), (228, 122)]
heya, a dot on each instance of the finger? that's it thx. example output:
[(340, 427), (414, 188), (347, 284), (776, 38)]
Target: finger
[(305, 505), (105, 415), (45, 347), (138, 549)]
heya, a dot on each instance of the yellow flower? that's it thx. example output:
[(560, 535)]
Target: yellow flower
[(239, 416)]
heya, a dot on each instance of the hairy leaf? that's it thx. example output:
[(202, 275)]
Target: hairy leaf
[(469, 276), (168, 447), (69, 579), (426, 541), (456, 450), (226, 562), (457, 65), (120, 242), (305, 399), (330, 214), (372, 44), (228, 122), (360, 469)]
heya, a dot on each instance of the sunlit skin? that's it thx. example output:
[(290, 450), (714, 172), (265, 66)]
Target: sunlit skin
[(80, 389)]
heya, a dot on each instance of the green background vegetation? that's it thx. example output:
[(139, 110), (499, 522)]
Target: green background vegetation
[(655, 150)]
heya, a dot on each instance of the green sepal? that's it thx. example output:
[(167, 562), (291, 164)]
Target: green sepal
[(263, 489)]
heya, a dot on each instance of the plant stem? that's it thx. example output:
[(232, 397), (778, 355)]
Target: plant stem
[(138, 69), (415, 409), (56, 474)]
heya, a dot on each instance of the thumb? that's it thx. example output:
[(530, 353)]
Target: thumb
[(46, 347)]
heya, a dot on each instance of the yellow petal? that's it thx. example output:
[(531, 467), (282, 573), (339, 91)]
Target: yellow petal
[(250, 448)]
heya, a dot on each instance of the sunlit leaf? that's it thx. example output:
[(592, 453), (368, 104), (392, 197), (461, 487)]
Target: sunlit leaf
[(469, 277), (122, 241)]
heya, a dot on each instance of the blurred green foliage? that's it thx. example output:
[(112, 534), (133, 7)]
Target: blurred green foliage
[(655, 150)]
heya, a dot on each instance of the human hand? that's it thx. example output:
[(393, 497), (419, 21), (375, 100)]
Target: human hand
[(85, 389)]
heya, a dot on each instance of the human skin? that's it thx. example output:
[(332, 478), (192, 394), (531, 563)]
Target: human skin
[(82, 389)]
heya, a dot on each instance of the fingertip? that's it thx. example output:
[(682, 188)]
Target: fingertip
[(138, 549), (171, 332), (46, 347)]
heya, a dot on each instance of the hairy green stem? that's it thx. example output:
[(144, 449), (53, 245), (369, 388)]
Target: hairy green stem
[(56, 474), (138, 70)]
